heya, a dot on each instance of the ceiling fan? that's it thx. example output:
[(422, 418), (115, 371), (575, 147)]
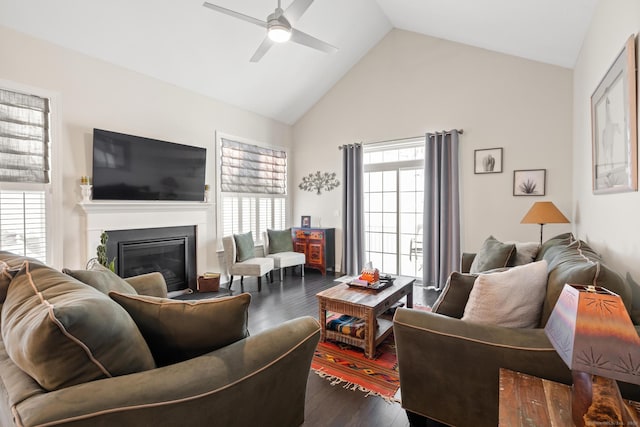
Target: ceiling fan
[(279, 26)]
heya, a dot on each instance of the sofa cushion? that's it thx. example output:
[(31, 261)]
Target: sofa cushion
[(280, 241), (454, 295), (493, 254), (577, 263), (62, 332), (102, 279), (245, 248), (10, 264), (512, 298), (180, 330)]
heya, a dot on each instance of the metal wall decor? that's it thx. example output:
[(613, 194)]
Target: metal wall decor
[(319, 181)]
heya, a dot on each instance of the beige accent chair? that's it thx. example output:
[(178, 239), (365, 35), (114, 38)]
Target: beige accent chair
[(255, 267), (282, 260)]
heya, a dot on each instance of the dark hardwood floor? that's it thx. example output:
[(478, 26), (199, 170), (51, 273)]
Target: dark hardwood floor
[(326, 405)]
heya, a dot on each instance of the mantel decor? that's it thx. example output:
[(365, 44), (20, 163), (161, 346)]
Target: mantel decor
[(614, 126), (319, 181)]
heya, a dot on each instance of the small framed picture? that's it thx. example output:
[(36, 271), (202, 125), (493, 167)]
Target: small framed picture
[(305, 221), (529, 182), (488, 160)]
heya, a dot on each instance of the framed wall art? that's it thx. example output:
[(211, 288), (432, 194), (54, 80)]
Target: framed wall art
[(305, 221), (614, 124), (530, 182), (488, 160)]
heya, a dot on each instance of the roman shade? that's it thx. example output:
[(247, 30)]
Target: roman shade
[(249, 168), (24, 138)]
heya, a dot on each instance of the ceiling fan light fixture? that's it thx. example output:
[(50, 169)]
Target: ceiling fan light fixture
[(279, 33)]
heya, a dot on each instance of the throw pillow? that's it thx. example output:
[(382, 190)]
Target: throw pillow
[(245, 248), (280, 241), (455, 294), (180, 330), (493, 254), (102, 279), (525, 252), (62, 332), (559, 240), (512, 298), (10, 264)]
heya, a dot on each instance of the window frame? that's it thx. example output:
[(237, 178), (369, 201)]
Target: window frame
[(52, 190), (219, 193)]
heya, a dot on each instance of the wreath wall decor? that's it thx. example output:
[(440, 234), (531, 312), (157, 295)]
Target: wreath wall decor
[(319, 181)]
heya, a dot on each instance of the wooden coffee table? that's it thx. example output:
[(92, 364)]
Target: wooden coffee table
[(366, 304)]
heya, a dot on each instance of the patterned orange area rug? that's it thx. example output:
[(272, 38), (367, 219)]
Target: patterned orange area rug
[(346, 365)]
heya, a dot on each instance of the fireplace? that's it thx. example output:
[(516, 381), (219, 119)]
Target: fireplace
[(170, 251)]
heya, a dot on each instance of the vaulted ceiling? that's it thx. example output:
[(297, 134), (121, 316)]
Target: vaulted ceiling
[(185, 44)]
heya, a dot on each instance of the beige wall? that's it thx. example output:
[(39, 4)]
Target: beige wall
[(609, 222), (410, 84), (95, 94)]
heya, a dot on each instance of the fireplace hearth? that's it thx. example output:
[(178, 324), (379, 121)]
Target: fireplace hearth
[(170, 251)]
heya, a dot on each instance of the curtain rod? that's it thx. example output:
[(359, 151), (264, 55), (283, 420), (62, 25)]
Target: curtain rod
[(460, 131)]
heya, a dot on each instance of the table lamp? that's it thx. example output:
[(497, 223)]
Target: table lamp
[(592, 332), (544, 213)]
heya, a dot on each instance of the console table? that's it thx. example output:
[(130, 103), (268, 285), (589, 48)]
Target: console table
[(318, 245)]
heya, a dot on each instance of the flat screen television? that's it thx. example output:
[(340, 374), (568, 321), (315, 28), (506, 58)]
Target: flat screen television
[(127, 167)]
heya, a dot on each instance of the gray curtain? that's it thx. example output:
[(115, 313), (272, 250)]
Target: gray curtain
[(441, 238), (353, 212)]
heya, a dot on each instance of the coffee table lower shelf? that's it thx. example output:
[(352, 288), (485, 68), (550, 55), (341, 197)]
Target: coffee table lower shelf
[(384, 329)]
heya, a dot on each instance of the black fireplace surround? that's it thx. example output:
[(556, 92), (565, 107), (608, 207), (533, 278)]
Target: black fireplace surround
[(168, 250)]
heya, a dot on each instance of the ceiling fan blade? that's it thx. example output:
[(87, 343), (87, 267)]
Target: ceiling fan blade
[(235, 14), (296, 9), (262, 49), (307, 40)]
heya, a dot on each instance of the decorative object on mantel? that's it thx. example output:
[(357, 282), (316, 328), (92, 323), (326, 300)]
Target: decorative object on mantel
[(319, 181), (529, 182), (487, 160), (592, 332), (614, 126), (85, 187), (544, 213), (102, 253)]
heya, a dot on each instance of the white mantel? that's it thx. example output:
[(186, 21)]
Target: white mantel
[(128, 215)]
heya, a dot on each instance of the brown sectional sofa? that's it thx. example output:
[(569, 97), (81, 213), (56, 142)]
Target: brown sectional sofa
[(89, 379), (449, 367)]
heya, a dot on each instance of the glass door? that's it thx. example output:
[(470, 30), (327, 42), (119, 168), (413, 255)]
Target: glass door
[(393, 206)]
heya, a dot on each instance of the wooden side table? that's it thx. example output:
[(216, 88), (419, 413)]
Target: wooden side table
[(526, 400)]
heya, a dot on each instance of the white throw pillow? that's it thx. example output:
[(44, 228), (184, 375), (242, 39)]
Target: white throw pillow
[(525, 252), (512, 298)]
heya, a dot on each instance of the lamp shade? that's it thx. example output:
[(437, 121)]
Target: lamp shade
[(544, 213), (592, 332)]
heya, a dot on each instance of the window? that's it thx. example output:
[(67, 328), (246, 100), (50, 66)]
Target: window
[(393, 205), (253, 188), (24, 173)]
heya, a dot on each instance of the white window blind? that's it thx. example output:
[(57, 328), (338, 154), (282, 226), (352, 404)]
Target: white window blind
[(253, 188), (23, 223), (24, 163)]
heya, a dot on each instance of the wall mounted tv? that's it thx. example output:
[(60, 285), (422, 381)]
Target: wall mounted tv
[(127, 167)]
